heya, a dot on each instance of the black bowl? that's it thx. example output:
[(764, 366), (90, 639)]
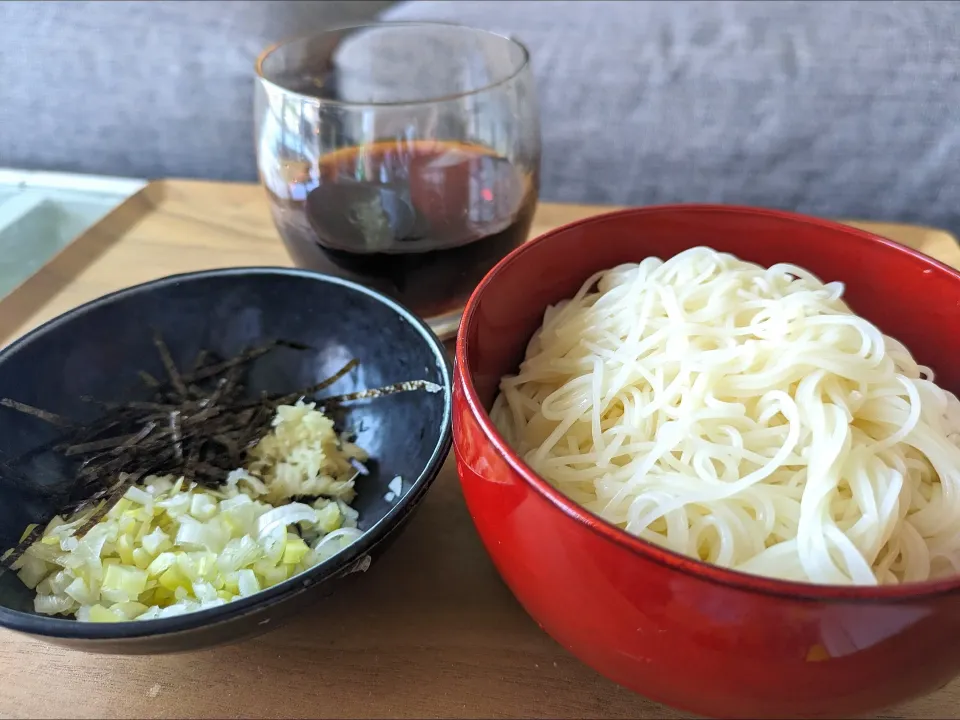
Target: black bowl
[(97, 349)]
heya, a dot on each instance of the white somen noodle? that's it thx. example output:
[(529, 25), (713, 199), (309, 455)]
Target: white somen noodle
[(744, 416)]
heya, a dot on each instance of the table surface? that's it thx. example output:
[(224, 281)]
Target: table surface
[(431, 632), (42, 212)]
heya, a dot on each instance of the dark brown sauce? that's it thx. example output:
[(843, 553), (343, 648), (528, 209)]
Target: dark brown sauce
[(421, 221)]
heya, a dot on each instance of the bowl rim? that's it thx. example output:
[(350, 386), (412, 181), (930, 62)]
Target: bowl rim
[(350, 559), (690, 566)]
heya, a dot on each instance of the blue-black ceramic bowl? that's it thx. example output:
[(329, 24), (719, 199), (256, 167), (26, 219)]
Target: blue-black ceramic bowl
[(97, 350)]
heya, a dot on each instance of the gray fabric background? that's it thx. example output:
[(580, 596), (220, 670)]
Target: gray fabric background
[(831, 108), (150, 89)]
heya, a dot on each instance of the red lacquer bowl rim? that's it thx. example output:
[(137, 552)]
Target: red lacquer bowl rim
[(642, 548)]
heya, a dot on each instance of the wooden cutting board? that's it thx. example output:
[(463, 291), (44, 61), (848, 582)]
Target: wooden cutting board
[(430, 632)]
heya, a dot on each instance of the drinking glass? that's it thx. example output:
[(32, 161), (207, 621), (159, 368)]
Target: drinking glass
[(404, 156)]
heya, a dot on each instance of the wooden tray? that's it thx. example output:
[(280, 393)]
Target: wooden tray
[(430, 631)]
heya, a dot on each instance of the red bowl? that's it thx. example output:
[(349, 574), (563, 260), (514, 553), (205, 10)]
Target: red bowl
[(698, 637)]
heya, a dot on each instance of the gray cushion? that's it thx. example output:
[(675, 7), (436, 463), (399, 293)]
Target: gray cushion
[(830, 108), (142, 89)]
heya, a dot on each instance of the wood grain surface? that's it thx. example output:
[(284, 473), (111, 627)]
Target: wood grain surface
[(429, 631)]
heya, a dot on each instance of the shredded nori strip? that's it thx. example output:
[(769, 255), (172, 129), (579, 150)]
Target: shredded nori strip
[(11, 556), (405, 386), (49, 417)]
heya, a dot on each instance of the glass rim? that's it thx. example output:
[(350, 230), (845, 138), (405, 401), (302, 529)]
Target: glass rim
[(270, 49)]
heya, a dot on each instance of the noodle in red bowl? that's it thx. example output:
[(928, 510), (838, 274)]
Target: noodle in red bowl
[(828, 587)]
